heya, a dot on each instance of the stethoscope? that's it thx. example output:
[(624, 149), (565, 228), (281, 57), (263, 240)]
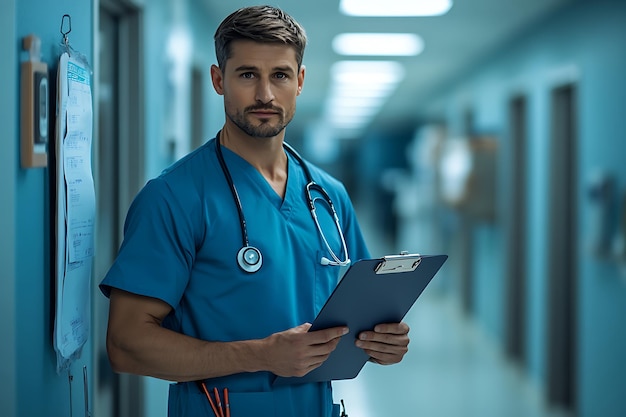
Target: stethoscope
[(249, 258)]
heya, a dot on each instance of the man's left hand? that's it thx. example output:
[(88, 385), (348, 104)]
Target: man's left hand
[(386, 344)]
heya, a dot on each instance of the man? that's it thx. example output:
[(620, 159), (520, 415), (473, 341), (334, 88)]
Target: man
[(188, 303)]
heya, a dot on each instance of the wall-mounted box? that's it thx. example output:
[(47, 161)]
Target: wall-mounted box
[(35, 114)]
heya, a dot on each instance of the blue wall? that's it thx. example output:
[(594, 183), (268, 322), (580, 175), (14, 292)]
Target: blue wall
[(28, 357), (583, 43), (8, 162)]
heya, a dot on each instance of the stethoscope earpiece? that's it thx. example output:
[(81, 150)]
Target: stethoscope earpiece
[(325, 262), (249, 259)]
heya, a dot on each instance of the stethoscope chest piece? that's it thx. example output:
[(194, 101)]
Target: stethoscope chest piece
[(249, 259)]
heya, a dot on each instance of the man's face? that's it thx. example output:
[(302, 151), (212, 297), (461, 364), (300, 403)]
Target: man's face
[(260, 83)]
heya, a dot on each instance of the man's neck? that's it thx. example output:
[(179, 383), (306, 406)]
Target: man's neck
[(265, 154)]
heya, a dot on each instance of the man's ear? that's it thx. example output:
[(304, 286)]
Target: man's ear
[(301, 78), (217, 78)]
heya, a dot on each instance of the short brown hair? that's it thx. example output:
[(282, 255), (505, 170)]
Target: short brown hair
[(260, 24)]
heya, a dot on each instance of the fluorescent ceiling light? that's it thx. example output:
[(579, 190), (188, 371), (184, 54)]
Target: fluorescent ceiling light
[(349, 122), (395, 7), (378, 44), (367, 72), (358, 90), (340, 101), (355, 126), (354, 113)]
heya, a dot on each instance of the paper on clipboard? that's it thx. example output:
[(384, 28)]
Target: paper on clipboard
[(75, 209), (372, 292)]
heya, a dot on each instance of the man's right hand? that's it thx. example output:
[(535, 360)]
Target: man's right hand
[(296, 351)]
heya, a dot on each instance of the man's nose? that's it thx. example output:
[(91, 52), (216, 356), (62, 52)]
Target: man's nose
[(264, 92)]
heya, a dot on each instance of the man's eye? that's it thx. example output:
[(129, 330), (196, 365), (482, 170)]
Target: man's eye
[(281, 75), (247, 75)]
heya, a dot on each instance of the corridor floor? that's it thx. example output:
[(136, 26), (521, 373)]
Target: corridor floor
[(451, 370)]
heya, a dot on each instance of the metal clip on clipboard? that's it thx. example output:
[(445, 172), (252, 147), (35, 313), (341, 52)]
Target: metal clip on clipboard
[(393, 264)]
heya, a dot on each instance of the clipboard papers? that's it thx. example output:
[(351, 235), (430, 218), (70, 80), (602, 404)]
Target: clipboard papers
[(373, 291)]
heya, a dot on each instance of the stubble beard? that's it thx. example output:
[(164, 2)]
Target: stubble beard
[(265, 129)]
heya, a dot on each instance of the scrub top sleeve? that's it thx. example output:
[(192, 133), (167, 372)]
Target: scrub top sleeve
[(158, 250)]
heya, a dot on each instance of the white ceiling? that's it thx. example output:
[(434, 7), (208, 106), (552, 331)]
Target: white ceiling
[(454, 42)]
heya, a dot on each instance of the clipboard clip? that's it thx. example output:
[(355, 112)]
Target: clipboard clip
[(393, 264)]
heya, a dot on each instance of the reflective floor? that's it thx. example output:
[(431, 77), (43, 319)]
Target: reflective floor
[(451, 370)]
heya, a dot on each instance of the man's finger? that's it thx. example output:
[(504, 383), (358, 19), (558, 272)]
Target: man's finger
[(392, 328), (326, 335)]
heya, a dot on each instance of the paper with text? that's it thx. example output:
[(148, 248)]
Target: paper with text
[(75, 209)]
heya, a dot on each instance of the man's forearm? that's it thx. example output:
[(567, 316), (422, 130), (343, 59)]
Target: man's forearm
[(165, 354)]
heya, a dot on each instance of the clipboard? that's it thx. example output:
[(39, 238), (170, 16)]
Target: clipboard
[(372, 291)]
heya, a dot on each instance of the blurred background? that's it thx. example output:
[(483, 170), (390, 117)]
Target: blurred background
[(491, 131)]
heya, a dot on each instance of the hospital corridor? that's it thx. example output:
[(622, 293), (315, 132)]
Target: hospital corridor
[(489, 132), (453, 368)]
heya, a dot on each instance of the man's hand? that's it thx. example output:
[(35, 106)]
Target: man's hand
[(296, 352), (387, 344)]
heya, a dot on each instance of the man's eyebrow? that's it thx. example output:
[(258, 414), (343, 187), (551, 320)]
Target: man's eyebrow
[(245, 68), (285, 68)]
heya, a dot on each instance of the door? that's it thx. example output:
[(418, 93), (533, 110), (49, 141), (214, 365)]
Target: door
[(119, 175), (197, 107), (466, 228), (516, 231), (562, 261)]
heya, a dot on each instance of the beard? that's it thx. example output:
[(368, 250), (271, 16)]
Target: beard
[(266, 128)]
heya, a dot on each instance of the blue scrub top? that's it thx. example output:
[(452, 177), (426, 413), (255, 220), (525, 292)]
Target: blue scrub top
[(181, 239)]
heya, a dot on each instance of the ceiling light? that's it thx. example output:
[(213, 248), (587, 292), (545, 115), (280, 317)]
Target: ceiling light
[(395, 7), (340, 101), (378, 44), (358, 90), (367, 72)]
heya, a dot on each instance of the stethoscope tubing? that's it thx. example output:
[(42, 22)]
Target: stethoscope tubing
[(257, 258), (233, 190)]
